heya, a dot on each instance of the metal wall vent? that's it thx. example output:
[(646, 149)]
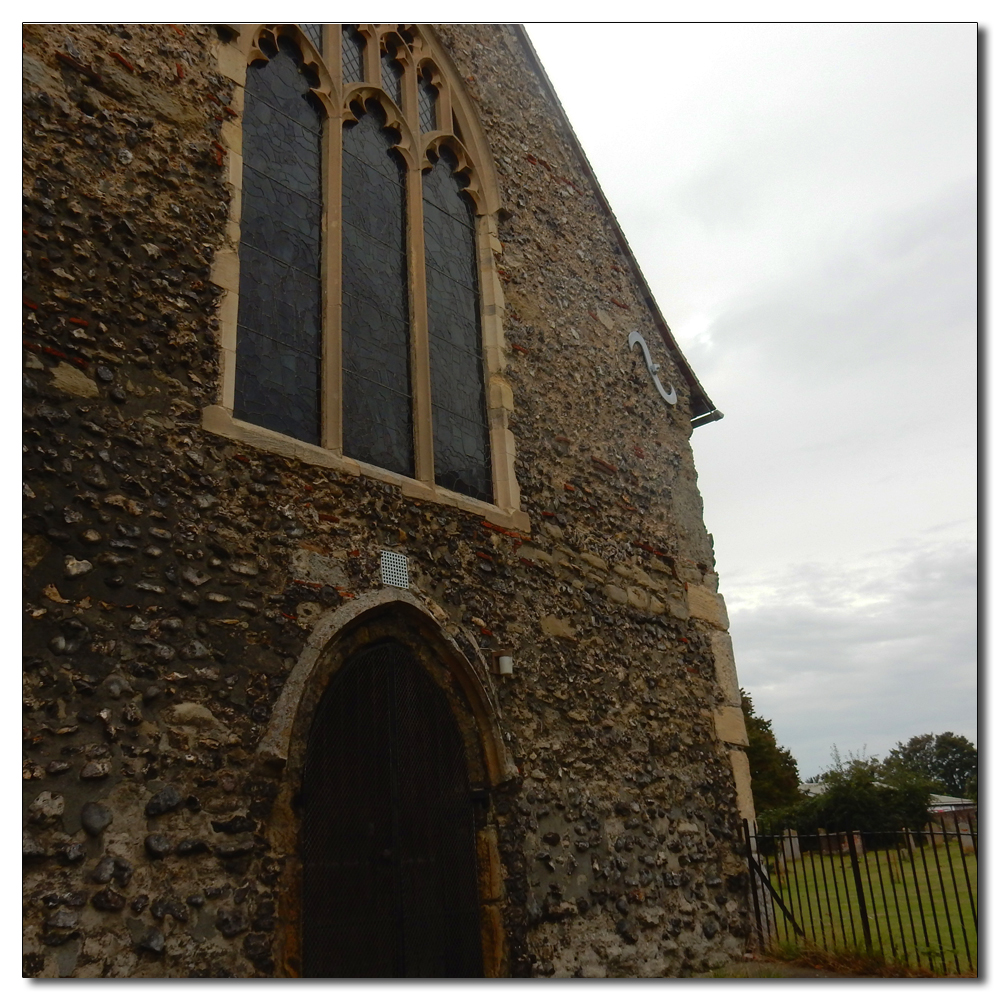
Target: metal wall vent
[(395, 570)]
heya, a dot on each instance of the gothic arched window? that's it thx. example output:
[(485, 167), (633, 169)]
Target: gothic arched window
[(279, 339), (375, 314), (362, 329), (460, 433)]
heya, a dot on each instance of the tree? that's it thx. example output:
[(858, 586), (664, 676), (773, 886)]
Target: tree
[(949, 761), (774, 772)]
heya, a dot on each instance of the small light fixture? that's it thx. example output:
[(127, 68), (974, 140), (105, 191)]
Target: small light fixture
[(503, 662)]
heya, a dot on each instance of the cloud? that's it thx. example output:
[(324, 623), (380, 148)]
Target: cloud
[(898, 287), (861, 655), (802, 199), (849, 393)]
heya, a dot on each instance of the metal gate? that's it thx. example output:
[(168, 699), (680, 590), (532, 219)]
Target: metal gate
[(388, 835)]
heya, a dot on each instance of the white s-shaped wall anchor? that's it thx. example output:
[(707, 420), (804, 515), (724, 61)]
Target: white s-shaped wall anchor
[(669, 397)]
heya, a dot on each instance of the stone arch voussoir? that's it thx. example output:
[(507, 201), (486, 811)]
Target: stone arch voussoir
[(318, 662)]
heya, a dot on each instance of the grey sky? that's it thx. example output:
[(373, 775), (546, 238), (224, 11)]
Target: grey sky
[(802, 200)]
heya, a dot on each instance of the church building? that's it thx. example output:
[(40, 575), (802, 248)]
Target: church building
[(372, 626)]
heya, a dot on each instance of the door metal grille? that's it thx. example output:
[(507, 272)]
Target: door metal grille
[(388, 836)]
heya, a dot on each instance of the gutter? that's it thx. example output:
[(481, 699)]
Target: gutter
[(707, 418), (703, 410)]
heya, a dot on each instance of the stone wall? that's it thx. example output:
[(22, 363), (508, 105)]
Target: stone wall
[(173, 579)]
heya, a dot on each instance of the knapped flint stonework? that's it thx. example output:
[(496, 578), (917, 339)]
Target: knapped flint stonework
[(174, 579)]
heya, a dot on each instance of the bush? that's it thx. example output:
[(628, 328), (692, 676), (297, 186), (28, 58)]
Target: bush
[(861, 794)]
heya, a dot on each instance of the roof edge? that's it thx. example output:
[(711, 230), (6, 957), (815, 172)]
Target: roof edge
[(701, 404)]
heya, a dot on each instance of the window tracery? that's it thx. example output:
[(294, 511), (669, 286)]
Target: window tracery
[(314, 32), (367, 309), (427, 95), (353, 54), (392, 74)]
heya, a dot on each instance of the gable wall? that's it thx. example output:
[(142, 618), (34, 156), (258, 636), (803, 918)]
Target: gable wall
[(173, 578)]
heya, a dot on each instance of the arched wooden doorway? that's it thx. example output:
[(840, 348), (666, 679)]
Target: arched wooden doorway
[(388, 848)]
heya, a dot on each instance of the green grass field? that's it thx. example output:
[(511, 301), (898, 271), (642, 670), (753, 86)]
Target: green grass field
[(922, 905)]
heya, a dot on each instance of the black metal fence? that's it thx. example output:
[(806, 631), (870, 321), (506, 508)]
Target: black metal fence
[(910, 896)]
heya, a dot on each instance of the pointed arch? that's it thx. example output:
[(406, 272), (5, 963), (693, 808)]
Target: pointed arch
[(279, 339), (461, 433), (319, 661), (267, 38), (375, 314), (396, 64)]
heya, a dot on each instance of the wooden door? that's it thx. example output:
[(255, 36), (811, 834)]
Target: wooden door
[(388, 837)]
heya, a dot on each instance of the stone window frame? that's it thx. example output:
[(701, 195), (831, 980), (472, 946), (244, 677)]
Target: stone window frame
[(423, 55)]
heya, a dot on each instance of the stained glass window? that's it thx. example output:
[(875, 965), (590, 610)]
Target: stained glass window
[(377, 403), (427, 94), (278, 325), (392, 77), (353, 54), (314, 32), (461, 452), (393, 323)]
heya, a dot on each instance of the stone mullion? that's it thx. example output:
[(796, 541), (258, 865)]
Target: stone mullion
[(420, 374), (420, 362), (410, 108), (443, 111), (331, 409), (333, 52), (372, 54)]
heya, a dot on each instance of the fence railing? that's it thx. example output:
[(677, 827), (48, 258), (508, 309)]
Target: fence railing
[(911, 896)]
